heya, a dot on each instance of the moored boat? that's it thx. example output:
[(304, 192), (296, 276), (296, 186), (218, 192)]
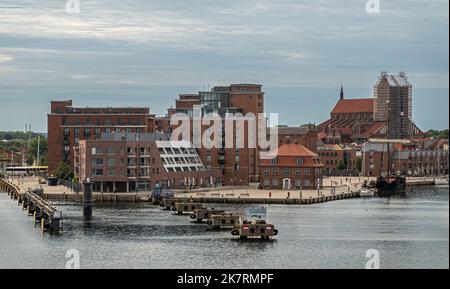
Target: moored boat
[(391, 185), (367, 192), (442, 182)]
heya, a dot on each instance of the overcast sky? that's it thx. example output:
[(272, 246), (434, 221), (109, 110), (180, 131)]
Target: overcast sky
[(146, 52)]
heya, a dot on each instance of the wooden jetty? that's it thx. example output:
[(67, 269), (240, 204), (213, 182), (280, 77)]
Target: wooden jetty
[(44, 213)]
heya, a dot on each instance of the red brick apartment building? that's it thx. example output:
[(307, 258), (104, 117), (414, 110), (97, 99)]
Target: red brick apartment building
[(130, 162), (237, 166), (334, 154), (419, 158), (293, 167), (68, 125)]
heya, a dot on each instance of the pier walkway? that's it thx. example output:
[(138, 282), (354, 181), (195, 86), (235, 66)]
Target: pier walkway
[(30, 199)]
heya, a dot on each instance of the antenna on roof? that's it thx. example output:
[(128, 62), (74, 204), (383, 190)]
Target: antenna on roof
[(341, 97)]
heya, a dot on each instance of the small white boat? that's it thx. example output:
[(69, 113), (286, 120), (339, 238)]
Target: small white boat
[(441, 182), (367, 192)]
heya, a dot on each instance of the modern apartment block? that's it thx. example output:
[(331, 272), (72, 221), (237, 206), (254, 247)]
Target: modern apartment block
[(68, 125), (133, 162), (238, 166), (292, 167)]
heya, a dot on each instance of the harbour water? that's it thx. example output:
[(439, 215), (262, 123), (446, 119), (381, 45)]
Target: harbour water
[(410, 232)]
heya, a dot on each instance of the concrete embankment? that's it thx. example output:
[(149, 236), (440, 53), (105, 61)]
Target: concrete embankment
[(285, 201)]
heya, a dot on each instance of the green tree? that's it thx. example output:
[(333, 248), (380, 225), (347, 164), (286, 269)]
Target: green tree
[(64, 172), (16, 135), (30, 160), (340, 166), (441, 134), (40, 142), (359, 164)]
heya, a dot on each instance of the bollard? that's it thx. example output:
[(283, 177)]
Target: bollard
[(87, 198)]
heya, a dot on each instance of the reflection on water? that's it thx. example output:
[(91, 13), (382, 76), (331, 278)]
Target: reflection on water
[(408, 232)]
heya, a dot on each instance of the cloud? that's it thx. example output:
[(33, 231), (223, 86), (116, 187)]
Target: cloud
[(5, 58)]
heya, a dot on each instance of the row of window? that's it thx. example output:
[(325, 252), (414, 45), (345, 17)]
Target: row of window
[(130, 161), (222, 158), (297, 183), (143, 172), (88, 121), (237, 167), (298, 171), (98, 131), (328, 154), (298, 161)]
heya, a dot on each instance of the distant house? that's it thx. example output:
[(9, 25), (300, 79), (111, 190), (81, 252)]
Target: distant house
[(292, 166)]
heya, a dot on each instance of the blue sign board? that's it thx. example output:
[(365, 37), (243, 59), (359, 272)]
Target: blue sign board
[(257, 213)]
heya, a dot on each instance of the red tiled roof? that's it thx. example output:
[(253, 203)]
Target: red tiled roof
[(374, 129), (346, 131), (293, 150), (354, 106)]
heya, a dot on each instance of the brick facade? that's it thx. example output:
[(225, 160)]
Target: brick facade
[(68, 125), (293, 167)]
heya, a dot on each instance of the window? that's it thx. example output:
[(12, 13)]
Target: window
[(111, 173), (274, 161), (287, 172), (307, 171), (274, 172), (66, 131), (274, 182), (300, 161), (266, 182), (306, 183), (111, 162), (97, 161), (97, 151), (298, 172), (97, 172), (87, 132), (111, 150), (266, 172)]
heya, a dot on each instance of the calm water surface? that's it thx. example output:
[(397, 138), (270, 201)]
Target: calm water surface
[(411, 232)]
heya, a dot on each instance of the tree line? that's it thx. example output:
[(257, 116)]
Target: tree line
[(18, 141)]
